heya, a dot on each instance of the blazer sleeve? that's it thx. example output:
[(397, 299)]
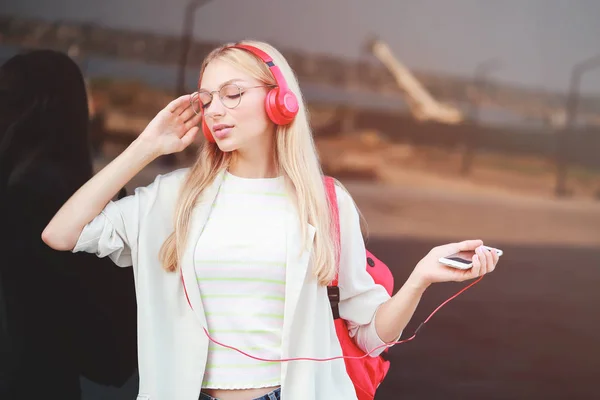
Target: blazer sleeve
[(115, 231), (360, 296)]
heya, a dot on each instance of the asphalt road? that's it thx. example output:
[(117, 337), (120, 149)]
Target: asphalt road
[(529, 330)]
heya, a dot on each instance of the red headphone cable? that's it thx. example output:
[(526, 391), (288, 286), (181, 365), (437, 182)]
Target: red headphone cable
[(348, 357)]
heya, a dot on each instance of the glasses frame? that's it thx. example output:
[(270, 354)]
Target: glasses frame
[(241, 91)]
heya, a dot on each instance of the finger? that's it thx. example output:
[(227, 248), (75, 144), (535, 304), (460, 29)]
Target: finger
[(467, 245), (189, 136), (187, 113), (476, 268), (180, 102), (482, 259), (489, 262), (496, 257), (493, 261), (195, 121), (189, 105)]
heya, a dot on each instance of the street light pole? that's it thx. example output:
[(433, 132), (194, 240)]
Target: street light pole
[(562, 148), (481, 75), (186, 42), (480, 80)]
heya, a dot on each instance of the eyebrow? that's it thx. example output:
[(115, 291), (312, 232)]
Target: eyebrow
[(226, 83)]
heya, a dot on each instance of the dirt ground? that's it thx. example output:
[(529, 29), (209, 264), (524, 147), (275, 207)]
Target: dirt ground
[(366, 153), (419, 193)]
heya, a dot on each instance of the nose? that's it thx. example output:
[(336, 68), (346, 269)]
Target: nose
[(215, 108)]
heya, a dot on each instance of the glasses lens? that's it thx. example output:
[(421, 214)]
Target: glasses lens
[(196, 105), (231, 95), (204, 98)]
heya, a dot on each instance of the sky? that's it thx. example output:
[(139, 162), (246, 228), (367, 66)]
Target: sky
[(537, 42)]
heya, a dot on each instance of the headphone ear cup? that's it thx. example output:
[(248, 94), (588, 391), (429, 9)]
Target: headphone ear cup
[(281, 107), (271, 108), (207, 133)]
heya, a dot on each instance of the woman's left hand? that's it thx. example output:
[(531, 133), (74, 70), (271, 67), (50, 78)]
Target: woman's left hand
[(429, 270)]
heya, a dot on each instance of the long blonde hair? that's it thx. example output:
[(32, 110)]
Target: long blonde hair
[(296, 158)]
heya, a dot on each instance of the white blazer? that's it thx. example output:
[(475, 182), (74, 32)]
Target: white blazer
[(172, 346)]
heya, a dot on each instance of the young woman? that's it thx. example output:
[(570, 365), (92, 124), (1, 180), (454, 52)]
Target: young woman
[(239, 246)]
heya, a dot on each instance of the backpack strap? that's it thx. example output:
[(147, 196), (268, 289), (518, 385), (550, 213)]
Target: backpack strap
[(333, 291)]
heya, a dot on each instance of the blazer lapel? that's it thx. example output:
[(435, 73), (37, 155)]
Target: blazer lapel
[(199, 217), (298, 261)]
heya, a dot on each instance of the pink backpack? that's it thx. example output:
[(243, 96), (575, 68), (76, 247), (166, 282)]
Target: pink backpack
[(368, 372)]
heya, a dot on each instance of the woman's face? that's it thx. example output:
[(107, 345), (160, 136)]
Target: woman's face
[(236, 113)]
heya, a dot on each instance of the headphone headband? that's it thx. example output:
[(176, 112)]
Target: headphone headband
[(267, 59)]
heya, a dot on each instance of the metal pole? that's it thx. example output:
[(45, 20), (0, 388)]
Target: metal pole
[(572, 103), (480, 80), (186, 42)]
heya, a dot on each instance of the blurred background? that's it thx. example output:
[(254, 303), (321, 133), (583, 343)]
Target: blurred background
[(446, 120)]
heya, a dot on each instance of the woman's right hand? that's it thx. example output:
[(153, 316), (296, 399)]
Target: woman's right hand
[(173, 128)]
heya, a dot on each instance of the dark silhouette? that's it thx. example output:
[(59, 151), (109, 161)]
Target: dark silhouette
[(62, 315)]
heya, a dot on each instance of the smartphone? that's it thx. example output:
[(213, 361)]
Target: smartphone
[(464, 259)]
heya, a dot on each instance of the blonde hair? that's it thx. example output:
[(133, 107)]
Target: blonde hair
[(296, 158)]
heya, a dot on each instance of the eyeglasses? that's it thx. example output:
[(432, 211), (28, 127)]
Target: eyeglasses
[(230, 95)]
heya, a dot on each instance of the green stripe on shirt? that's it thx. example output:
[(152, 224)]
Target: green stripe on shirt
[(244, 296), (233, 262), (278, 316), (229, 279)]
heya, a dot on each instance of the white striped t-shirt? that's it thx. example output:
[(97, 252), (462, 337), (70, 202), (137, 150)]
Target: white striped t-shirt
[(240, 262)]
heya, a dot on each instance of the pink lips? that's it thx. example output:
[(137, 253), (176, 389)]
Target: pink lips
[(221, 130)]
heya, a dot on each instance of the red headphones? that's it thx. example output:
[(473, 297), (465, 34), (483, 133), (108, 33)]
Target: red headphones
[(281, 103)]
